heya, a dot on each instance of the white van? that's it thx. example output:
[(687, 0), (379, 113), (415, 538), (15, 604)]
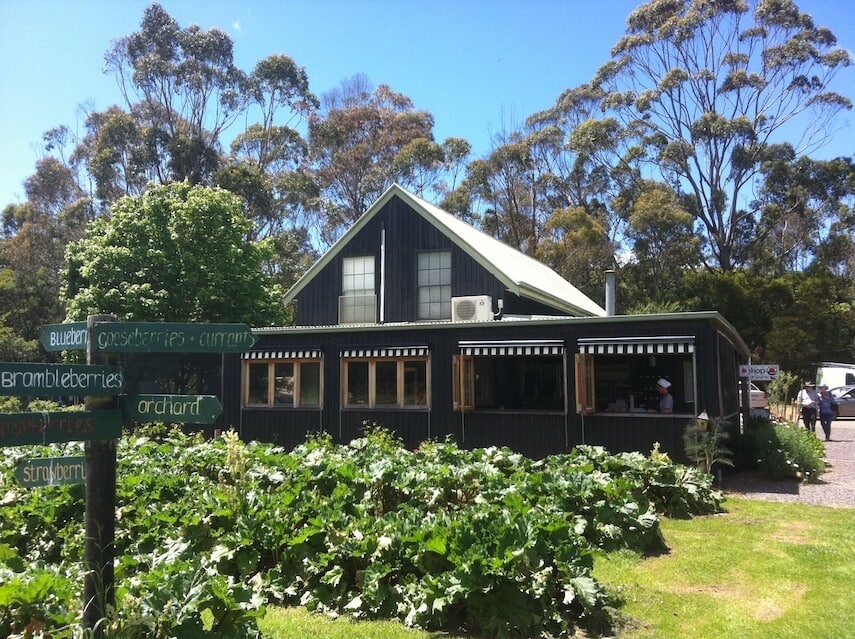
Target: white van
[(834, 374)]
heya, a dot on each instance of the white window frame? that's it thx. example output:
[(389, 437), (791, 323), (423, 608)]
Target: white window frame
[(358, 300), (433, 285)]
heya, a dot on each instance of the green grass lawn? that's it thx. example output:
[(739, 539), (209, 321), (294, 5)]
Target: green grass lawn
[(761, 570)]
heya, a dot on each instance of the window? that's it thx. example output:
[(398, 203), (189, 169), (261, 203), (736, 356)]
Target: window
[(358, 303), (282, 383), (385, 380), (434, 285), (510, 376), (619, 375)]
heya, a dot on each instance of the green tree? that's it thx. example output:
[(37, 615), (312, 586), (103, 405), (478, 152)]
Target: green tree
[(176, 253), (32, 246), (354, 141), (576, 246), (663, 244), (808, 214), (184, 85), (707, 87), (749, 302)]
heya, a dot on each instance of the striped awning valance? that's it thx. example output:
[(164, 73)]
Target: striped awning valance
[(290, 353), (386, 351), (637, 345), (513, 347)]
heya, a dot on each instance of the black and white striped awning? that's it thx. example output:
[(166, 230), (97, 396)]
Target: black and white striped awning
[(386, 351), (291, 353), (513, 347), (637, 345)]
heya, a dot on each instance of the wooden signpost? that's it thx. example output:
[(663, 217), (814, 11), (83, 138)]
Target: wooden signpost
[(100, 425)]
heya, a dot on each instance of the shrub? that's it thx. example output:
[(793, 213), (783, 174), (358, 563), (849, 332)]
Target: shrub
[(780, 451)]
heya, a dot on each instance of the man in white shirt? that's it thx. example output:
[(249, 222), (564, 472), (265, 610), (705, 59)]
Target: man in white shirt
[(807, 399)]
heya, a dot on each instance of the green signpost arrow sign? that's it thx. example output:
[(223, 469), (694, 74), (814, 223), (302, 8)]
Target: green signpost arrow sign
[(166, 337), (181, 409), (51, 471), (33, 380), (24, 429), (70, 336)]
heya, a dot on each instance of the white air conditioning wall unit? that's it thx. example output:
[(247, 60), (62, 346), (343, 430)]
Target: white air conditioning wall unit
[(475, 308)]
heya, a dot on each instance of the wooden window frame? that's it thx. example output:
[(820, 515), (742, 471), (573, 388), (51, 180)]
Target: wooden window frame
[(463, 375), (271, 383), (586, 401), (400, 382)]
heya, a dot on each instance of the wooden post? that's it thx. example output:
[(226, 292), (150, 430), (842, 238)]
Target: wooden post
[(98, 586)]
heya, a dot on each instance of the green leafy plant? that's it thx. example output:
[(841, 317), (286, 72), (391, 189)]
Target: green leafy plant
[(706, 443), (481, 541), (780, 451)]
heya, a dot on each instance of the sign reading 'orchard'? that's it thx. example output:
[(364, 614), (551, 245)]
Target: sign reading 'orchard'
[(33, 380), (179, 409), (166, 337)]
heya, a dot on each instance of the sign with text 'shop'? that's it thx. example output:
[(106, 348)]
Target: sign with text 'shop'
[(26, 429), (170, 337), (57, 380), (760, 372)]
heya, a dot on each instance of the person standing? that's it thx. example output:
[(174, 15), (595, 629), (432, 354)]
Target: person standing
[(807, 399), (666, 399), (825, 407)]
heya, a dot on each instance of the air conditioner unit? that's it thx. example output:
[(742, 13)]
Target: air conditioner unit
[(478, 308)]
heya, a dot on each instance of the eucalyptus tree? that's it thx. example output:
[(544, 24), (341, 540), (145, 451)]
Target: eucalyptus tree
[(354, 140), (514, 189), (32, 246), (807, 214), (661, 242), (431, 168), (187, 85), (595, 162), (540, 191), (708, 86)]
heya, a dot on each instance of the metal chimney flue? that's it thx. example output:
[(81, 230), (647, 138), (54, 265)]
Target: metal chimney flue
[(610, 293)]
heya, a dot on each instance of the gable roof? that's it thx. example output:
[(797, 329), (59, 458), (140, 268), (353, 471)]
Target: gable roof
[(520, 274)]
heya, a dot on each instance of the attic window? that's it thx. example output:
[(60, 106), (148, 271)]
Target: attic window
[(358, 302), (434, 285)]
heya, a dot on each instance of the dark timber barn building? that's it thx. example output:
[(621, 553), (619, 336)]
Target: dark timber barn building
[(416, 321)]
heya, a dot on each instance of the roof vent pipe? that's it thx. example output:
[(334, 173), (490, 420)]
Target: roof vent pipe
[(610, 293)]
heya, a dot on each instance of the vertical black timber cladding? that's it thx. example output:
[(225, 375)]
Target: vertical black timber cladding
[(533, 433), (406, 233)]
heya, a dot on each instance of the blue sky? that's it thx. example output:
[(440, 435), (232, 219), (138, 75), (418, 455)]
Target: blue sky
[(479, 66)]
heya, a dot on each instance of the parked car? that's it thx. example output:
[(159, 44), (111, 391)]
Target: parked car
[(845, 397), (759, 398)]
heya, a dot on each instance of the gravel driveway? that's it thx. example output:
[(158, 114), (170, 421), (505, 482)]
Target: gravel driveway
[(836, 486)]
